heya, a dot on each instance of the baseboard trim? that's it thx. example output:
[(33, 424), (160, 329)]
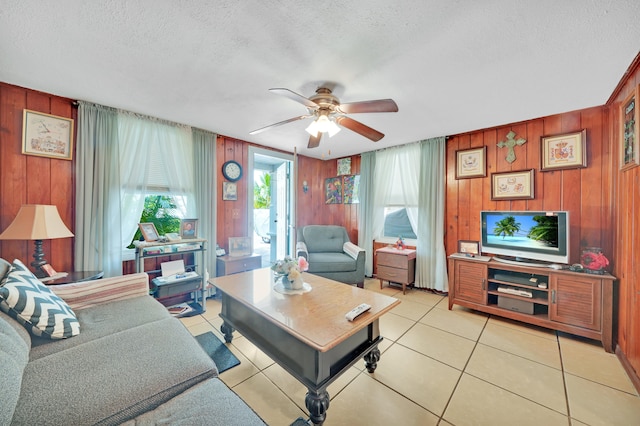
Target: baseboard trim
[(635, 379)]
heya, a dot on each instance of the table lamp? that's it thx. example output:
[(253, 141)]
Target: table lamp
[(37, 222)]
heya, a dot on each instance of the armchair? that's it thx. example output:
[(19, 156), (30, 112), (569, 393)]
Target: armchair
[(331, 254)]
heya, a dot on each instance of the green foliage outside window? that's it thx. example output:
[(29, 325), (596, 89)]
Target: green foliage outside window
[(262, 192), (160, 210)]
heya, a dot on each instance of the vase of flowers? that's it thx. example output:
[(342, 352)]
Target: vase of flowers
[(289, 272)]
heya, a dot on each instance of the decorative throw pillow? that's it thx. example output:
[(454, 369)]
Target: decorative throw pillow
[(38, 309)]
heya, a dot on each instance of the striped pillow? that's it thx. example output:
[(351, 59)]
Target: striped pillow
[(25, 298)]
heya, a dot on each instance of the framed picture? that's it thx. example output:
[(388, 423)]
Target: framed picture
[(149, 231), (47, 135), (229, 191), (568, 151), (239, 246), (468, 247), (333, 190), (350, 189), (471, 163), (188, 228), (629, 131), (512, 185), (344, 166)]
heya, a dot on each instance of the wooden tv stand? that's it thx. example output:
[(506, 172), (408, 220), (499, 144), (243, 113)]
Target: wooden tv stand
[(573, 302)]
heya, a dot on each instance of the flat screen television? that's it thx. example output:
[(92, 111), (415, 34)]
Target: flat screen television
[(526, 236)]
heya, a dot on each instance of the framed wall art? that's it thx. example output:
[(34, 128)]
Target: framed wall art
[(148, 231), (567, 151), (512, 185), (239, 246), (333, 190), (468, 247), (229, 191), (344, 166), (629, 131), (350, 189), (471, 163), (188, 228), (47, 135)]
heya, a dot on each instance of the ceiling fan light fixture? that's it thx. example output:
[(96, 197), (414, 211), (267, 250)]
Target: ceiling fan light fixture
[(333, 128), (312, 129), (323, 125)]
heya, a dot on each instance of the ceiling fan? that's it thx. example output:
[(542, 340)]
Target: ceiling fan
[(327, 110)]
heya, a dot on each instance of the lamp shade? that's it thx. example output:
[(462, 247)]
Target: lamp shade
[(36, 222)]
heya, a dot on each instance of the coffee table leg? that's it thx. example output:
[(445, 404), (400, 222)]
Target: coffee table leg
[(317, 403), (227, 330), (371, 359)]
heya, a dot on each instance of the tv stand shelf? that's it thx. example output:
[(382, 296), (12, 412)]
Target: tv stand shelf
[(572, 302)]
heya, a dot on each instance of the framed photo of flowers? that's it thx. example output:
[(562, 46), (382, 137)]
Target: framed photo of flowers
[(567, 151), (512, 185), (471, 163), (629, 131)]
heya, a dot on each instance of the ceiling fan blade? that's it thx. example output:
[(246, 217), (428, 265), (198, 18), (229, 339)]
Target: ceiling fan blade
[(295, 97), (262, 129), (360, 128), (314, 141), (381, 105)]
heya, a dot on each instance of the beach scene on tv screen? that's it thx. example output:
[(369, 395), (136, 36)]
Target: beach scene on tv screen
[(536, 232)]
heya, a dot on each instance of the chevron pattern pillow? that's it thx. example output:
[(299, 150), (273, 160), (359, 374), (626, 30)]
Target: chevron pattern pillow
[(38, 309)]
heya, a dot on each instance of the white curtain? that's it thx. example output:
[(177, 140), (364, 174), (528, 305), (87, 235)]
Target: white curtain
[(366, 212), (431, 262), (155, 157)]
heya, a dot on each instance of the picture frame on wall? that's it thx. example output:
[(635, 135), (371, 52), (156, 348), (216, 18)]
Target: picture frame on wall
[(229, 191), (566, 151), (468, 247), (344, 166), (512, 185), (629, 131), (350, 189), (188, 228), (471, 163), (148, 231), (333, 190), (46, 135)]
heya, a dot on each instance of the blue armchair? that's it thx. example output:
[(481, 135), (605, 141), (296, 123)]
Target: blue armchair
[(331, 254)]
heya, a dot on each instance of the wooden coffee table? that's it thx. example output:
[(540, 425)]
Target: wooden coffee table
[(306, 334)]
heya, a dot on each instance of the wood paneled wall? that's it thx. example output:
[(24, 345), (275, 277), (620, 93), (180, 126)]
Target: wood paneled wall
[(585, 193), (27, 179), (626, 234)]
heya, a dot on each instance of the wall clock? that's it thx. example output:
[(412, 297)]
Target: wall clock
[(232, 171)]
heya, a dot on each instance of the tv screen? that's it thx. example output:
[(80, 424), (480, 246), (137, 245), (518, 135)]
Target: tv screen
[(526, 235)]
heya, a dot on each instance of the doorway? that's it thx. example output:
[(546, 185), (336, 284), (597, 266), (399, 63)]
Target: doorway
[(271, 204)]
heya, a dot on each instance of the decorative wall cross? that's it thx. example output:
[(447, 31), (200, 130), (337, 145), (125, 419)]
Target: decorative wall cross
[(511, 143)]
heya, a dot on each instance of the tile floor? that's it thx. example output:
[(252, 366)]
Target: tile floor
[(441, 367)]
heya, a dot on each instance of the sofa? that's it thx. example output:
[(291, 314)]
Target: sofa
[(331, 254), (130, 362)]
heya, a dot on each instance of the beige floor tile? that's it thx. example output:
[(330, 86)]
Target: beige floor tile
[(595, 404), (421, 296), (427, 382), (241, 372), (393, 326), (445, 347), (288, 384), (592, 362), (252, 353), (411, 310), (523, 327), (521, 343), (200, 328), (476, 402), (529, 379), (367, 402), (266, 399), (464, 323), (189, 321)]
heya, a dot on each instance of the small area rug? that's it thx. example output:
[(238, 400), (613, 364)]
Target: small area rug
[(218, 352)]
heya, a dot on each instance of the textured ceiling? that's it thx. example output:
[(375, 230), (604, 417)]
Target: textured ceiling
[(451, 66)]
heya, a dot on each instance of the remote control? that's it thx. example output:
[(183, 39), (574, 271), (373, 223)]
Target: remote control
[(358, 310)]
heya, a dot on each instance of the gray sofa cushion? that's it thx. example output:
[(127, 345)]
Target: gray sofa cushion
[(103, 320), (190, 408), (113, 378), (14, 355), (324, 238)]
